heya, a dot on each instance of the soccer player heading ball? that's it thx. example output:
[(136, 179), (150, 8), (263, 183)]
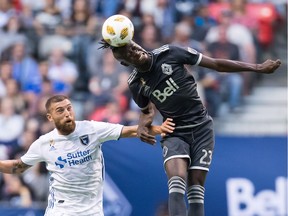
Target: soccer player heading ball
[(160, 78)]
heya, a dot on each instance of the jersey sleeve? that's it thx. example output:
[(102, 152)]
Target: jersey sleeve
[(141, 101), (107, 131), (33, 155), (186, 55)]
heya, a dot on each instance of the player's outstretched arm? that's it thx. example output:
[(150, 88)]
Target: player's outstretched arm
[(225, 65), (166, 127), (13, 166)]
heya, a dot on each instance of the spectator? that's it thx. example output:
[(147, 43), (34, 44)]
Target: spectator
[(242, 16), (16, 192), (62, 71), (47, 19), (203, 21), (11, 123), (5, 74), (107, 8), (182, 37), (110, 112), (187, 8), (150, 37), (106, 79), (231, 84), (80, 28), (244, 40), (6, 10), (164, 18), (47, 88), (13, 92), (13, 32), (25, 69)]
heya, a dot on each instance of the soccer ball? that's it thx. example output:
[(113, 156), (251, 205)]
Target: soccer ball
[(117, 30)]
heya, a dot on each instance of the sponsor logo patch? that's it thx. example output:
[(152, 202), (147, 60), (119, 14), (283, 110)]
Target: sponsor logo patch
[(84, 139), (167, 69)]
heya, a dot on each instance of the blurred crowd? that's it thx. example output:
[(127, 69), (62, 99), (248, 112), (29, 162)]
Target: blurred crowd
[(51, 47)]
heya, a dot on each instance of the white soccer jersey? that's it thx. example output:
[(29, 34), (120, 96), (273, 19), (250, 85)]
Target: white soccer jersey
[(75, 163)]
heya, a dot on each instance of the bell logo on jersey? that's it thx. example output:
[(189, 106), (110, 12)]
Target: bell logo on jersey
[(167, 91)]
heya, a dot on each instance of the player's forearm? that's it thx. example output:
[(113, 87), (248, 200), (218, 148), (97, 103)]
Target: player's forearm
[(225, 65), (12, 166), (146, 116), (237, 66), (155, 130), (129, 131)]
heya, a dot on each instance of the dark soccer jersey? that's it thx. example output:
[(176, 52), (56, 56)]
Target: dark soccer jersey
[(169, 86)]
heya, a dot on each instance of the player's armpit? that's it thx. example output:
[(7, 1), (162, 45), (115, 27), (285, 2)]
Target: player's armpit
[(13, 166)]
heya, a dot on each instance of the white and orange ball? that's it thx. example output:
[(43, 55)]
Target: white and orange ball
[(118, 30)]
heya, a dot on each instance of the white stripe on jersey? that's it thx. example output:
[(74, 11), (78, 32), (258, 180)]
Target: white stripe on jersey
[(132, 76), (199, 59), (161, 49)]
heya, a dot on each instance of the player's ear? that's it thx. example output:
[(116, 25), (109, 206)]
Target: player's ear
[(49, 117)]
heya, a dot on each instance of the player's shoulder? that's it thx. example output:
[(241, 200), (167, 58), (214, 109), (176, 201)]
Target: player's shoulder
[(46, 138), (91, 126), (47, 135), (161, 49), (132, 76), (85, 124), (173, 49)]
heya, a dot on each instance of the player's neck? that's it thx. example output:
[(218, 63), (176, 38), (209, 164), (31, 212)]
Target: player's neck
[(146, 66)]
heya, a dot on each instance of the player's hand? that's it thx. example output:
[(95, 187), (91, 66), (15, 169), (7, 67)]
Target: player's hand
[(143, 134), (269, 66), (167, 127)]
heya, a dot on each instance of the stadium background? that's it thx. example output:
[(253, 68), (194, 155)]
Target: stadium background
[(248, 175)]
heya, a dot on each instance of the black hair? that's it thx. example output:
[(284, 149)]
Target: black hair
[(105, 45)]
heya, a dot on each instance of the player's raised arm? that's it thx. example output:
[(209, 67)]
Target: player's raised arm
[(13, 166), (225, 65)]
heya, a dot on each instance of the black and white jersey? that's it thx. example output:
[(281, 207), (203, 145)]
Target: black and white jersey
[(169, 86)]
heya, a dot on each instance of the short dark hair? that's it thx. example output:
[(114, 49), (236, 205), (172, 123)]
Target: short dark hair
[(54, 99)]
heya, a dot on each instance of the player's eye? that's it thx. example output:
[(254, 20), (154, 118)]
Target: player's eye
[(59, 110)]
